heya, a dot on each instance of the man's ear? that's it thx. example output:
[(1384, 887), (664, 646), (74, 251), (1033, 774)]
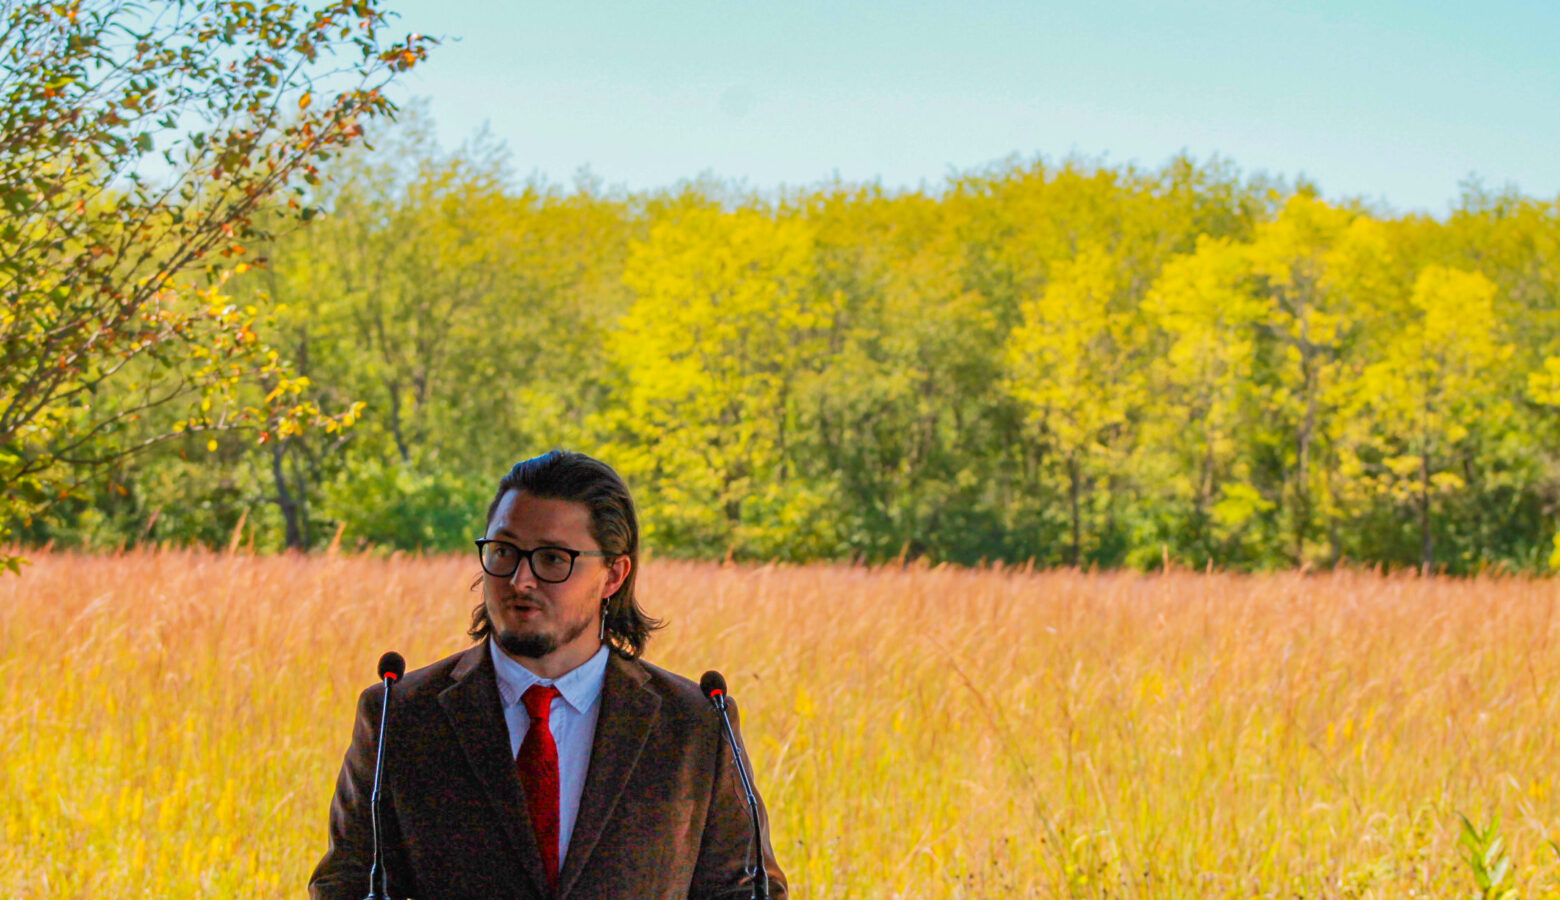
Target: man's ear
[(619, 573)]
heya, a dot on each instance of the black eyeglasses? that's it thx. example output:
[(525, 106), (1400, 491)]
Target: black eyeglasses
[(501, 559)]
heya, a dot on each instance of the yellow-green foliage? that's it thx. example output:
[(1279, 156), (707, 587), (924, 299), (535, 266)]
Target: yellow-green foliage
[(1061, 352), (722, 330), (171, 723), (1064, 362)]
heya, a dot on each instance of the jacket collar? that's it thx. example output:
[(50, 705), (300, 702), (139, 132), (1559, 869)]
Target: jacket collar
[(475, 712)]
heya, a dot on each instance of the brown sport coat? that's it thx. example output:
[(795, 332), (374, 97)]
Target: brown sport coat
[(661, 814)]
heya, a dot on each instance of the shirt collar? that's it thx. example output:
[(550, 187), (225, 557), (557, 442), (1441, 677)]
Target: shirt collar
[(580, 686)]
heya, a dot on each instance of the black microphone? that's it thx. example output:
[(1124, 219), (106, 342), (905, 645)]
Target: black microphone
[(714, 687), (391, 667)]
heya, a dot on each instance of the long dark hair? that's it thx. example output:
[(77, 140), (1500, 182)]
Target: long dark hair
[(566, 475)]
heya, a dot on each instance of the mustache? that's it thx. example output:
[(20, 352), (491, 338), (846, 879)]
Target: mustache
[(530, 599)]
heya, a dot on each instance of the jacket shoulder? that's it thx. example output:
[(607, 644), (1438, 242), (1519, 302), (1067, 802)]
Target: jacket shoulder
[(428, 681), (681, 697), (436, 676), (680, 690)]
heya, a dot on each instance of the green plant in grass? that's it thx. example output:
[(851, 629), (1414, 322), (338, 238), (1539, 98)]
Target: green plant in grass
[(1488, 860)]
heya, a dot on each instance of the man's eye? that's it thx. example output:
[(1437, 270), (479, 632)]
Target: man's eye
[(499, 551), (552, 557)]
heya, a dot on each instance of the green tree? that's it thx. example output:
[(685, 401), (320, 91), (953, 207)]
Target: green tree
[(1308, 325), (722, 327), (395, 330), (483, 344), (1437, 381), (901, 423), (1543, 387), (1069, 364), (1203, 382), (138, 148)]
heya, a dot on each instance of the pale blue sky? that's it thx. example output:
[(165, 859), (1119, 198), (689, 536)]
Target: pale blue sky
[(1394, 101)]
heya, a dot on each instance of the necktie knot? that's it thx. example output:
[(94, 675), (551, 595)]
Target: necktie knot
[(538, 700)]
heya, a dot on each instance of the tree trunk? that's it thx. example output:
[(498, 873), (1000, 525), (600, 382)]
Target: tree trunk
[(1073, 490), (394, 390), (284, 499), (1303, 446), (300, 475), (1426, 544)]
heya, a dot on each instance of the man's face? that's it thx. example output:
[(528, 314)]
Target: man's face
[(554, 626)]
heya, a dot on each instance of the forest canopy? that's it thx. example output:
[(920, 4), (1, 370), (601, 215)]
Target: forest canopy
[(1067, 362)]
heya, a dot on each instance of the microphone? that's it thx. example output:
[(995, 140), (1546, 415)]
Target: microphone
[(391, 667), (714, 687)]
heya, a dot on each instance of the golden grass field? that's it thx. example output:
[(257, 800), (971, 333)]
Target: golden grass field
[(171, 722)]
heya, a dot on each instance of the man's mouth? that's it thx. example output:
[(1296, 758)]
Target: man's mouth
[(523, 605)]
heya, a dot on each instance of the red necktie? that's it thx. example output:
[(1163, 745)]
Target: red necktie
[(537, 762)]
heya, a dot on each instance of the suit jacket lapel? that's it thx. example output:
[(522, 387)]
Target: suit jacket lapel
[(476, 713), (629, 710)]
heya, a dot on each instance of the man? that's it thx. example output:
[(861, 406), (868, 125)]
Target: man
[(629, 792)]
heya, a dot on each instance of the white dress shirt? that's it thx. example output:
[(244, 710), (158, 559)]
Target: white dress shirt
[(572, 721)]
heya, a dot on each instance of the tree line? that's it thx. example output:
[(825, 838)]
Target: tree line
[(1067, 362)]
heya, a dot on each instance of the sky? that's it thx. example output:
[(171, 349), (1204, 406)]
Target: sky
[(1394, 102)]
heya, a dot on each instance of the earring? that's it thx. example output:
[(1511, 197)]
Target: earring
[(602, 635)]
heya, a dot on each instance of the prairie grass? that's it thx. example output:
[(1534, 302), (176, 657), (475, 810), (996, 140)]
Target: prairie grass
[(171, 722)]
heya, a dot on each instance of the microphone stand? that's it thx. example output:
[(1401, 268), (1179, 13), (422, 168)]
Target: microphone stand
[(378, 878), (757, 871)]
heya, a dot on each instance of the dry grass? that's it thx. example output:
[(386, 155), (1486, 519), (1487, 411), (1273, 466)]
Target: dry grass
[(171, 723)]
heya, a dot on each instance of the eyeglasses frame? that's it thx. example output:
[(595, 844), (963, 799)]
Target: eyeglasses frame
[(525, 556)]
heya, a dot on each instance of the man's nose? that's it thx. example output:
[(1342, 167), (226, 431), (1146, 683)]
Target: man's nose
[(523, 574)]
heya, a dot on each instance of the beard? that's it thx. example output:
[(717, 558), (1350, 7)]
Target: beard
[(530, 646), (535, 645)]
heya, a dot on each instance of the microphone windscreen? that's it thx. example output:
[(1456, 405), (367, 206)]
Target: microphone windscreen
[(712, 683), (392, 666)]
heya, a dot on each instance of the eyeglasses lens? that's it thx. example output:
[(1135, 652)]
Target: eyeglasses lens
[(551, 565), (499, 560)]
